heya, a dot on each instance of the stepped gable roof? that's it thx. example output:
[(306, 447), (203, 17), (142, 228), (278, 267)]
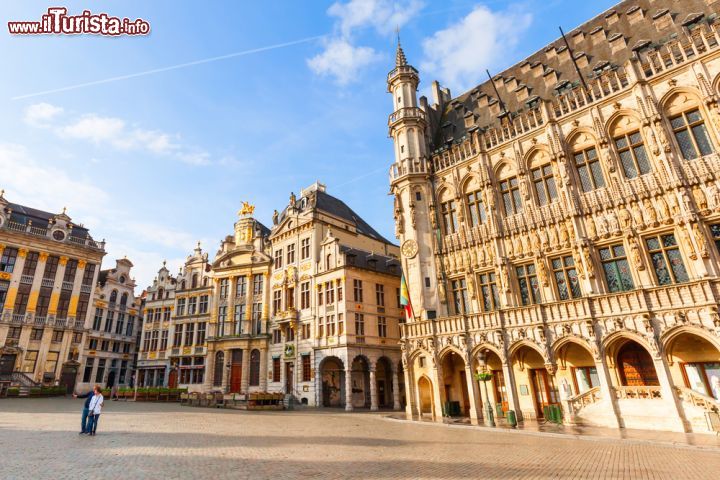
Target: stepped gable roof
[(371, 261), (608, 40)]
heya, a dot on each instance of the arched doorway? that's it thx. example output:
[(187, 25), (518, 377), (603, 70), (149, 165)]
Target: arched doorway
[(218, 369), (578, 373), (384, 383), (255, 368), (360, 381), (332, 374), (497, 387), (457, 398), (635, 366), (695, 363), (536, 387), (425, 396)]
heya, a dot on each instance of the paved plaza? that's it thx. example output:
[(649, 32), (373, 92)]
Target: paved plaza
[(38, 439)]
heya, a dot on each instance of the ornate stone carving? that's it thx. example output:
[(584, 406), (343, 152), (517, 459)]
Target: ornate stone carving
[(700, 240), (700, 199)]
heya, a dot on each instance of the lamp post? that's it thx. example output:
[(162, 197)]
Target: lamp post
[(485, 377)]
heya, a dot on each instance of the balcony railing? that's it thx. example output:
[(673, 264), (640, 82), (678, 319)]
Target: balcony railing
[(40, 231), (18, 318), (47, 282), (584, 399), (26, 279), (85, 288), (40, 321), (67, 285)]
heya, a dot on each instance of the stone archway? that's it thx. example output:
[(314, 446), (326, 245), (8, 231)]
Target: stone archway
[(425, 396), (454, 385), (496, 390), (694, 362), (360, 382), (384, 382), (332, 375), (536, 386), (635, 366), (578, 370)]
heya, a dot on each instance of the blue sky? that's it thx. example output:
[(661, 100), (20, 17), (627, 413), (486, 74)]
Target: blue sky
[(156, 162)]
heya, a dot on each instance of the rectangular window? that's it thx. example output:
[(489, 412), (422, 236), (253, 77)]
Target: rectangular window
[(31, 260), (4, 285), (158, 314), (51, 266), (306, 369), (178, 335), (153, 340), (109, 321), (257, 318), (192, 305), (241, 286), (36, 334), (305, 331), (87, 373), (43, 302), (277, 301), (93, 343), (30, 361), (329, 293), (164, 339), (291, 254), (510, 192), (8, 259), (57, 336), (358, 290), (224, 287), (341, 324), (100, 374), (380, 294), (477, 208), (304, 295), (616, 268), (544, 183), (339, 290), (304, 248), (14, 332), (130, 326), (70, 271), (221, 319), (460, 298), (489, 292), (632, 153), (321, 296), (278, 258), (189, 334), (449, 216), (666, 259), (180, 307), (330, 325), (588, 166), (120, 324), (203, 305), (691, 134), (97, 321), (290, 334), (528, 284), (359, 324), (257, 284), (239, 315), (321, 327), (51, 362), (201, 333), (166, 314), (566, 279), (276, 336), (88, 274), (382, 327), (276, 369)]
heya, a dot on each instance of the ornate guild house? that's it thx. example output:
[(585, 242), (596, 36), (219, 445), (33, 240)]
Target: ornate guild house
[(559, 227)]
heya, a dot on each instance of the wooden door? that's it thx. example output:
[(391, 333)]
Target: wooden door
[(541, 390), (289, 377), (172, 378), (236, 371), (7, 364), (68, 377), (636, 366), (500, 389)]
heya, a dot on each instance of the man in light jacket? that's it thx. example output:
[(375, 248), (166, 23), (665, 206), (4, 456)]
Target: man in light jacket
[(95, 407)]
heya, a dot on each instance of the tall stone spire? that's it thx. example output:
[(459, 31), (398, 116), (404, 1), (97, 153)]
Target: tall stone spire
[(400, 59)]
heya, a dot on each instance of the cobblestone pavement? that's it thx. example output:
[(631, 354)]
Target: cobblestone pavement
[(38, 439)]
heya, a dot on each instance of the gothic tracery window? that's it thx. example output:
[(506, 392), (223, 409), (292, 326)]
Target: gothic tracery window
[(691, 134), (588, 167)]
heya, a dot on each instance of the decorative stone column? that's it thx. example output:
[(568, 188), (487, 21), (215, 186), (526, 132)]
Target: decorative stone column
[(227, 358), (318, 387), (348, 389), (396, 388), (438, 394), (511, 389), (667, 389), (607, 390), (263, 370), (373, 390), (473, 395), (245, 380)]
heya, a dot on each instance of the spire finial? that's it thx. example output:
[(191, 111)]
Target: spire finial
[(64, 210), (400, 59)]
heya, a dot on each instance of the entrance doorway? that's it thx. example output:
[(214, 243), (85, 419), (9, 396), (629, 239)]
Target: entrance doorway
[(500, 390), (636, 366), (68, 377), (425, 395), (172, 378), (236, 371), (111, 379), (543, 393), (7, 364), (289, 377)]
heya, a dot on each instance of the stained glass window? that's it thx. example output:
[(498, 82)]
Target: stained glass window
[(528, 284), (666, 259), (715, 231), (632, 154), (477, 209), (459, 289), (544, 183), (588, 166), (489, 292), (566, 279), (449, 216), (691, 134), (510, 190), (616, 268)]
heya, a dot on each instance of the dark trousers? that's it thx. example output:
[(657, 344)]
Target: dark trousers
[(85, 422), (92, 423)]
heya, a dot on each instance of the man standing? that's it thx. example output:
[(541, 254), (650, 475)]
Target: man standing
[(95, 408), (84, 427)]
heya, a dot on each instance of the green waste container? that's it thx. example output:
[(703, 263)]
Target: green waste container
[(511, 418), (499, 411), (547, 415)]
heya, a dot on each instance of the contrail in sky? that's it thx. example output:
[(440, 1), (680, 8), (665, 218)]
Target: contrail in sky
[(172, 67)]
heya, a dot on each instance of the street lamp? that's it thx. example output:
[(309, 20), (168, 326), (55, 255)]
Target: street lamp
[(485, 377)]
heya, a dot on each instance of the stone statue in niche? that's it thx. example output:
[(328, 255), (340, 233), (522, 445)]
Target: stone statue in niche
[(701, 240), (602, 226), (663, 210), (650, 213), (714, 196), (504, 279), (564, 235), (672, 201), (553, 237), (591, 228), (700, 198), (635, 254), (588, 262), (637, 215), (613, 221), (542, 272), (535, 241), (625, 218), (685, 239), (578, 263)]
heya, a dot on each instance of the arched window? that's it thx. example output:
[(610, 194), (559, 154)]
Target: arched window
[(473, 197), (160, 293), (124, 299), (541, 172), (255, 368), (205, 281), (113, 296), (182, 285), (509, 190), (328, 261), (194, 282), (688, 125), (630, 147), (587, 163), (219, 365)]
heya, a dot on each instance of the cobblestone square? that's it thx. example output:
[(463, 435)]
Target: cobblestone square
[(38, 438)]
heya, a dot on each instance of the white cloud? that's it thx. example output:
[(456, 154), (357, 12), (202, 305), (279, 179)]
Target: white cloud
[(383, 15), (342, 61), (341, 58), (459, 54), (114, 132), (40, 114)]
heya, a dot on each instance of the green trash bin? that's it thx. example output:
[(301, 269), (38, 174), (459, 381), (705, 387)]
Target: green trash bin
[(499, 411), (547, 413), (511, 418)]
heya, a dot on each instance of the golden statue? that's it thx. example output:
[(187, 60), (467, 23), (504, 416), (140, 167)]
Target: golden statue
[(247, 209)]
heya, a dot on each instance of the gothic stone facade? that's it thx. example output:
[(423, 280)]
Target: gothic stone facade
[(560, 231)]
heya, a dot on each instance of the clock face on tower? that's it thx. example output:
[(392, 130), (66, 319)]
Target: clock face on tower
[(409, 248)]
